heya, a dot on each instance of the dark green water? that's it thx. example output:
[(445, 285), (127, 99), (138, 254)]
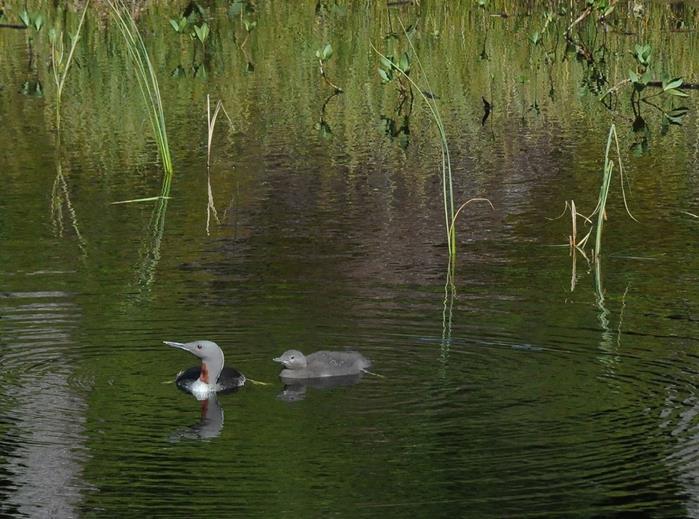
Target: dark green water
[(511, 396)]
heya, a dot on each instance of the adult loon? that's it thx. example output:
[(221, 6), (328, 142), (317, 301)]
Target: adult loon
[(211, 376), (321, 364)]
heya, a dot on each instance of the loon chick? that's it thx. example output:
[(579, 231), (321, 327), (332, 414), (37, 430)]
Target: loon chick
[(321, 364), (211, 376)]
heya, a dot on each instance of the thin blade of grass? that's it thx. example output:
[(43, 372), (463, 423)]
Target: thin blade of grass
[(136, 200)]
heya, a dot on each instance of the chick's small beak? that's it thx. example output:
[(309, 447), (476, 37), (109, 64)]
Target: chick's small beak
[(278, 359)]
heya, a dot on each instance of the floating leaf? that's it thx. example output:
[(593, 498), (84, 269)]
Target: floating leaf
[(24, 16), (200, 72), (202, 31), (327, 51), (673, 120), (178, 72), (639, 148), (405, 63), (384, 75), (675, 83), (680, 111)]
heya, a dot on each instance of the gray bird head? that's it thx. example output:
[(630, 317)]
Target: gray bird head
[(210, 354), (292, 359)]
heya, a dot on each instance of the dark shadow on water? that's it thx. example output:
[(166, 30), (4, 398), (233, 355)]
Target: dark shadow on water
[(295, 390)]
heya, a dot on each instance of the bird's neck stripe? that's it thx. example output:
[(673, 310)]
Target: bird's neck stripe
[(204, 377)]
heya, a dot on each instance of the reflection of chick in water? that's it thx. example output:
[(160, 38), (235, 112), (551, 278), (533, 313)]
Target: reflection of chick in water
[(295, 390)]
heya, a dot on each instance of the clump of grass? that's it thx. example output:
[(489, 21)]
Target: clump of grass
[(147, 79), (600, 210)]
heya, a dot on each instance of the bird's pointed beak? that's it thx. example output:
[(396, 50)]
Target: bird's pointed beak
[(177, 345), (278, 359)]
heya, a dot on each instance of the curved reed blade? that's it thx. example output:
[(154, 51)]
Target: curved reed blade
[(147, 78)]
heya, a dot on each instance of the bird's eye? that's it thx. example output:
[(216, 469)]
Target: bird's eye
[(292, 357), (198, 346)]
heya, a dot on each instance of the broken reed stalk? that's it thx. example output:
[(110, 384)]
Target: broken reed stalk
[(211, 125)]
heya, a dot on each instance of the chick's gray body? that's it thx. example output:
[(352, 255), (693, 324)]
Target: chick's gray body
[(322, 364)]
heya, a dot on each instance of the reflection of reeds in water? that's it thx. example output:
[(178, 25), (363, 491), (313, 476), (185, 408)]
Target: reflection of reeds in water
[(60, 64), (60, 196), (150, 250)]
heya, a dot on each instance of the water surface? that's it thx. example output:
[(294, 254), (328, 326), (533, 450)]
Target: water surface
[(509, 394)]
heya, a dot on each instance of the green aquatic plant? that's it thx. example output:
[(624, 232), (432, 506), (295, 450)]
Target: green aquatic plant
[(600, 210), (202, 33), (323, 56), (538, 36), (60, 62), (244, 12), (431, 102), (323, 127), (147, 81), (641, 79), (33, 20)]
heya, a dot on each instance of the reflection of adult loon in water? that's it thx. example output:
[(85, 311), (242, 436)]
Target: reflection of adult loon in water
[(209, 426), (211, 376), (295, 389)]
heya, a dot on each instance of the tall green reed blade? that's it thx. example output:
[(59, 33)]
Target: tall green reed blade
[(447, 185), (602, 200), (147, 79), (604, 192)]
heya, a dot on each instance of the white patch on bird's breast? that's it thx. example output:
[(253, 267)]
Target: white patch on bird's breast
[(202, 390)]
